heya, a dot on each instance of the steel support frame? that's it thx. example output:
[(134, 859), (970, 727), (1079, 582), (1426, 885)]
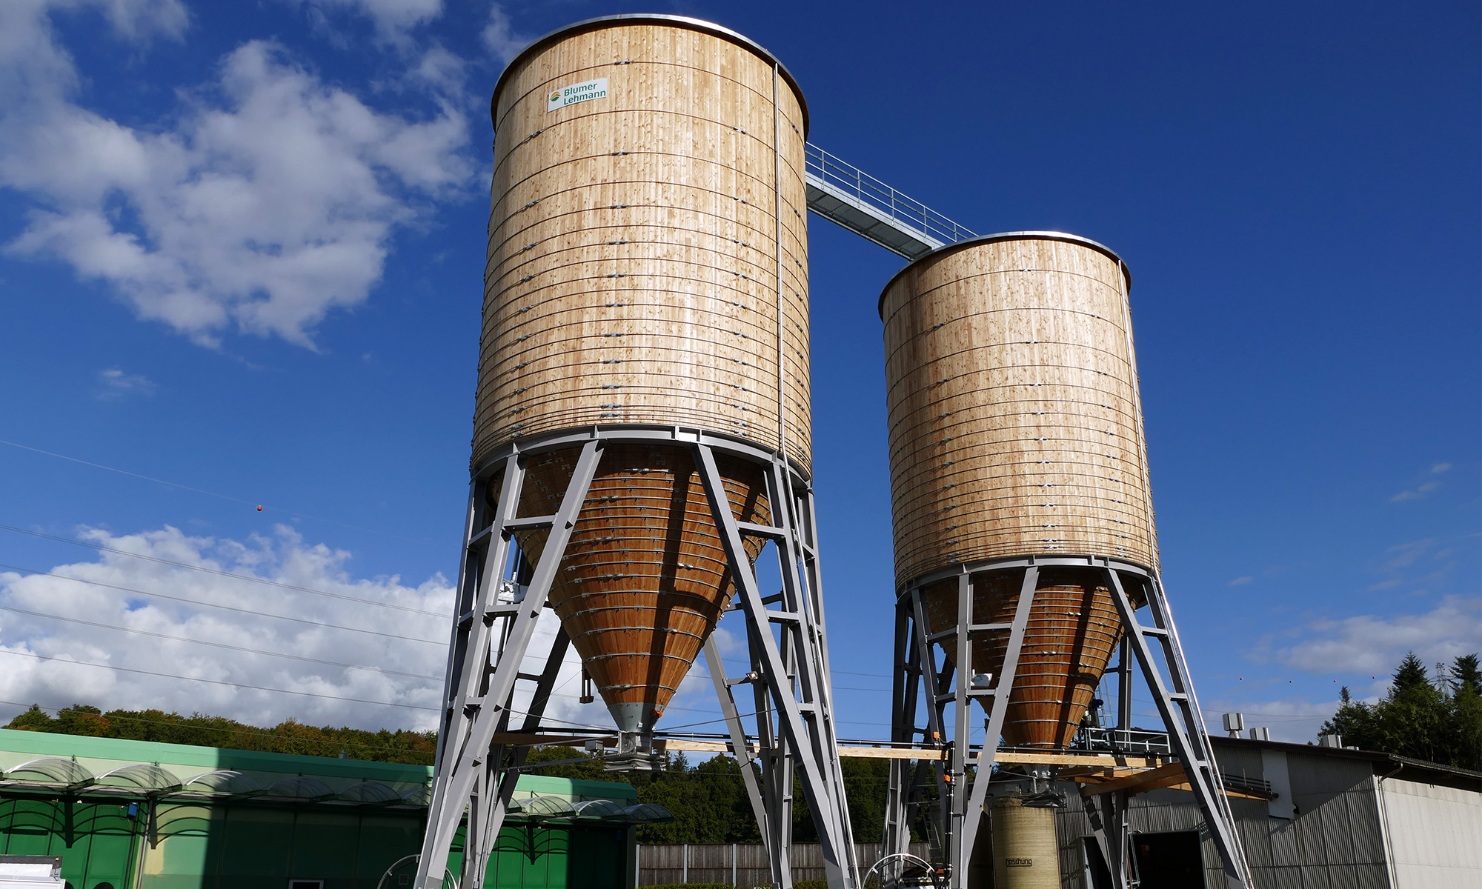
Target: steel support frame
[(921, 666), (789, 674), (494, 627)]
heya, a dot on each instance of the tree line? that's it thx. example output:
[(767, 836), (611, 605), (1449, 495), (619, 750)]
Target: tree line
[(708, 798), (1437, 719), (289, 736)]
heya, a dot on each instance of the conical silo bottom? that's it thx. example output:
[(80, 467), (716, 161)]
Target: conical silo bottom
[(1073, 630), (645, 577)]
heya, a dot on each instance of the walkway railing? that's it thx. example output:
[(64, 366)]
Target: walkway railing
[(847, 182)]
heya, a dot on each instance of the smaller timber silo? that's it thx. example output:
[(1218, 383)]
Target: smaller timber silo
[(1015, 431)]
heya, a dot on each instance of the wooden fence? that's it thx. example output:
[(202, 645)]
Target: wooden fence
[(739, 864)]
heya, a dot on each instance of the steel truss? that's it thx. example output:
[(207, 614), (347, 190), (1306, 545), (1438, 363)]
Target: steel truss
[(962, 773), (792, 724)]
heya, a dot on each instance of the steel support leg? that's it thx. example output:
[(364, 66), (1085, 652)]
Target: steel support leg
[(1180, 712), (1107, 814), (478, 704), (966, 776), (792, 668), (901, 793), (741, 747)]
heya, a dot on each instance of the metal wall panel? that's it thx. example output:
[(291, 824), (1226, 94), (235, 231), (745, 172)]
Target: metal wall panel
[(1435, 835)]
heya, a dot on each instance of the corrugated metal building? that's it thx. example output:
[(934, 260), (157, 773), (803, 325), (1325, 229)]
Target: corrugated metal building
[(1339, 819), (139, 815)]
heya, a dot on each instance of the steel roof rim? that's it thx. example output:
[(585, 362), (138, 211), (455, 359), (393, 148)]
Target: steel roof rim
[(655, 18), (1067, 237)]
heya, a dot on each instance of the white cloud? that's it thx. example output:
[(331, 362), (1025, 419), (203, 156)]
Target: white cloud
[(1373, 644), (1418, 567), (116, 385), (441, 71), (1414, 493), (140, 18), (384, 627), (1241, 581), (34, 68), (1424, 488), (1293, 721), (392, 18), (391, 634), (268, 203), (500, 37)]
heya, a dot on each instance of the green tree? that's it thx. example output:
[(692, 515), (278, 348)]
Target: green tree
[(866, 782), (83, 719), (1417, 719), (33, 720), (1466, 674)]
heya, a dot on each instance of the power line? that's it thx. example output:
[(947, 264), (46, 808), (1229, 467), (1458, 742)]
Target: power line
[(302, 620), (226, 645), (206, 493), (286, 691), (219, 573)]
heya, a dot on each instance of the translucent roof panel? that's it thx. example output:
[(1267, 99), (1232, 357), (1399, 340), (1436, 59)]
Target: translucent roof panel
[(141, 776), (419, 796), (300, 787), (370, 792), (600, 808), (647, 812), (546, 807), (223, 782), (51, 770)]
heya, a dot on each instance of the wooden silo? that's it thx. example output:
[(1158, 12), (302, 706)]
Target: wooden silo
[(642, 426), (647, 269), (1015, 431)]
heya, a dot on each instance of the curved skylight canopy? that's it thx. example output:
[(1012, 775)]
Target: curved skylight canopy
[(600, 808), (645, 813), (301, 788), (370, 793), (419, 796), (223, 782), (141, 776), (51, 771), (544, 807)]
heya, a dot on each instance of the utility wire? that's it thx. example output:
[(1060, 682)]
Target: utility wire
[(218, 572), (204, 492), (302, 620), (286, 691), (226, 645)]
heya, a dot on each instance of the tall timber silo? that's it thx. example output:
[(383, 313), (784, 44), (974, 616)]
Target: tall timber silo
[(642, 420), (647, 205), (1015, 431)]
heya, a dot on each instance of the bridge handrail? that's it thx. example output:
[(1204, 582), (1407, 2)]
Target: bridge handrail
[(904, 211)]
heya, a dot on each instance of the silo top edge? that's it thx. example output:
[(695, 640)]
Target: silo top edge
[(682, 21), (1005, 236)]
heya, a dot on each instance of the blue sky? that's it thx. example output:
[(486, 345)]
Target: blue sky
[(240, 260)]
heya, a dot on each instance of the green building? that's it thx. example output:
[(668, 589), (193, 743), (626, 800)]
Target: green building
[(142, 815)]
